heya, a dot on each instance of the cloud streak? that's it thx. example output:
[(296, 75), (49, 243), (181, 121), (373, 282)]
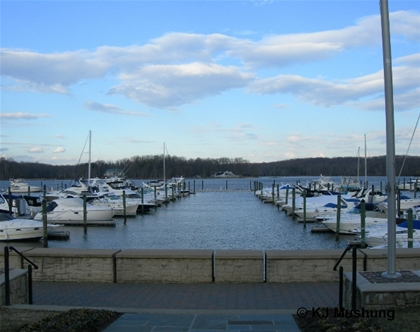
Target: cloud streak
[(182, 68)]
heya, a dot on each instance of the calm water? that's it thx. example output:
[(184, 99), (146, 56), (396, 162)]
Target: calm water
[(213, 218)]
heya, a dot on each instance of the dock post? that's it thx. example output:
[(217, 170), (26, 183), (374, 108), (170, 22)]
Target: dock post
[(84, 215), (410, 227), (142, 200), (125, 207), (337, 227), (44, 223), (293, 202), (272, 193), (363, 223), (304, 208), (10, 201)]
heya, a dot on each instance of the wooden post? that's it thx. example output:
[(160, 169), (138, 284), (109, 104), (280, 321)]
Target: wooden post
[(293, 202), (287, 195), (142, 200), (272, 193), (125, 207), (304, 208), (84, 215), (337, 227), (410, 228), (29, 190), (44, 223), (10, 201), (363, 223)]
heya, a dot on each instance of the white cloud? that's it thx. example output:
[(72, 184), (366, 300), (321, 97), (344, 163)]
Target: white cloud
[(166, 86), (22, 115), (59, 149), (108, 108), (37, 149), (181, 68)]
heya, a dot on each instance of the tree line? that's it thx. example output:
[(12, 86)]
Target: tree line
[(151, 167)]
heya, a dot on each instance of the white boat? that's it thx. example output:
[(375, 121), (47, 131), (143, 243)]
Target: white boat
[(20, 186), (16, 229), (378, 236), (350, 223), (71, 209), (116, 203)]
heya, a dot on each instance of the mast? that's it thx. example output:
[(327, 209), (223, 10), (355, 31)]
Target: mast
[(90, 146), (365, 163), (358, 163), (390, 142), (164, 170)]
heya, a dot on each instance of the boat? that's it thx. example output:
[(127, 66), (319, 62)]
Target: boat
[(19, 229), (116, 203), (71, 209), (350, 223), (225, 174), (21, 186), (378, 236)]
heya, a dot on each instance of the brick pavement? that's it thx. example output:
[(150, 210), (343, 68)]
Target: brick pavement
[(253, 296), (256, 307)]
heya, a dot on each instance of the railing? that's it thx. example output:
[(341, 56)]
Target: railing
[(7, 276), (354, 246)]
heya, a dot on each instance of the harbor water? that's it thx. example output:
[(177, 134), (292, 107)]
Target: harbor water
[(222, 214)]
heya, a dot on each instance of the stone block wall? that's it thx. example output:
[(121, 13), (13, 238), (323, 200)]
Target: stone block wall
[(18, 287), (164, 266), (73, 265), (307, 266), (406, 259), (239, 266)]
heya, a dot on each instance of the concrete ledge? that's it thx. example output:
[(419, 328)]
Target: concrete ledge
[(164, 266), (239, 266)]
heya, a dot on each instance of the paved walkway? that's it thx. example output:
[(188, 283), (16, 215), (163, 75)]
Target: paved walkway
[(192, 307)]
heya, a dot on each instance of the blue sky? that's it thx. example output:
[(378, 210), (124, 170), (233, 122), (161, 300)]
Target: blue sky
[(260, 80)]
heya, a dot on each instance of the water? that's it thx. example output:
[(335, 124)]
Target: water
[(213, 218)]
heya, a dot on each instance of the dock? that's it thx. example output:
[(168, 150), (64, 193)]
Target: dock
[(109, 223), (58, 235)]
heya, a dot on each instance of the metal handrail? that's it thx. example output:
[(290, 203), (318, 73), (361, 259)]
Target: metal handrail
[(8, 249), (354, 246)]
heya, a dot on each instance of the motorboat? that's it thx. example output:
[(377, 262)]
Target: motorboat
[(71, 209), (21, 186), (17, 229), (350, 223), (117, 204), (378, 236)]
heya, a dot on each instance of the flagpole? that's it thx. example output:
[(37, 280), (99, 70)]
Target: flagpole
[(390, 142)]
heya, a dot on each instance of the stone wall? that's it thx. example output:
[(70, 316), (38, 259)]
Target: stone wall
[(239, 266), (18, 287), (307, 266), (73, 265), (164, 266), (200, 266)]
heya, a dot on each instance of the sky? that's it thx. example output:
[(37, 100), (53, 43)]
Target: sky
[(260, 80)]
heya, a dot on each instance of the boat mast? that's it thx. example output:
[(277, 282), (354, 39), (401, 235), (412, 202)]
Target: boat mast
[(164, 170), (90, 145), (365, 163), (358, 163)]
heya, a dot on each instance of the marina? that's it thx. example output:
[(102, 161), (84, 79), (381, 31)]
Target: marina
[(222, 214)]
